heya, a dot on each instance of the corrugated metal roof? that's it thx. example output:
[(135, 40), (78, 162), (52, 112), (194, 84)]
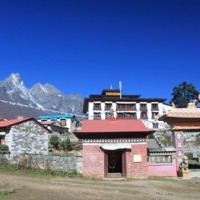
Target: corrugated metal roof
[(66, 116), (113, 125)]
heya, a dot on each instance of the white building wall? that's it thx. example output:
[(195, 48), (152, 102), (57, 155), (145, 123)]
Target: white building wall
[(166, 108), (70, 123), (162, 109), (103, 114), (149, 112), (114, 106), (90, 110), (138, 110)]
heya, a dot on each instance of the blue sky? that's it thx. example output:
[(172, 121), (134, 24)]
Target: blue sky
[(84, 46)]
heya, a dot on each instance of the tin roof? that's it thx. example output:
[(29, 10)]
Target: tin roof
[(66, 116), (12, 122), (113, 126)]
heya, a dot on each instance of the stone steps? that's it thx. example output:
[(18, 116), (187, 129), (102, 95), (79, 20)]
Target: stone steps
[(114, 175)]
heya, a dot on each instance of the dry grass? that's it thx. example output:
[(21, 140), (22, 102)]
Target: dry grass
[(65, 188)]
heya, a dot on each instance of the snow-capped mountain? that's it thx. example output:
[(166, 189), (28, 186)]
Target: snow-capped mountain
[(17, 100)]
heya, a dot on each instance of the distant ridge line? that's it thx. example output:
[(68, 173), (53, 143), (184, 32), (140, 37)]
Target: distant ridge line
[(19, 104)]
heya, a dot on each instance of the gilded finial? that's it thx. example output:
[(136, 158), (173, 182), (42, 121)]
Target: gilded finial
[(173, 105), (192, 104)]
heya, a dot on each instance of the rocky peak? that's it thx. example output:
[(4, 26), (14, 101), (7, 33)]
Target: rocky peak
[(14, 79), (43, 97)]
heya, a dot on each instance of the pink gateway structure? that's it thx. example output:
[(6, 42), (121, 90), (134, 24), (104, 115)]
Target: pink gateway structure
[(114, 148)]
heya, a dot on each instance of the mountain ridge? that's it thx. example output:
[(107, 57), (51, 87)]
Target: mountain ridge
[(39, 99)]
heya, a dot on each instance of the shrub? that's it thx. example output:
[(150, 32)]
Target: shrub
[(66, 145), (4, 147), (197, 141), (77, 146), (54, 141)]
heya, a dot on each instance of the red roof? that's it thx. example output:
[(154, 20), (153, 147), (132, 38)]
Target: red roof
[(12, 122), (109, 126)]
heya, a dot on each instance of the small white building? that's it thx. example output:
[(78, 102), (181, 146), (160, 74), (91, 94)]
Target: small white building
[(112, 103), (67, 121)]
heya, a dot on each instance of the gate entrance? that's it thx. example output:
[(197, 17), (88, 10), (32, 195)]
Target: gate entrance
[(185, 123), (115, 163)]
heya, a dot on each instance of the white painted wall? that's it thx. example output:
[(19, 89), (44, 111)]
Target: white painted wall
[(70, 123), (162, 109)]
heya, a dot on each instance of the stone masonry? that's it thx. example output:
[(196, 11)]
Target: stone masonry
[(47, 162), (28, 137)]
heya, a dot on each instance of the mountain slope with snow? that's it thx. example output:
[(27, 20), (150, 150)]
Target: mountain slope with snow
[(40, 99)]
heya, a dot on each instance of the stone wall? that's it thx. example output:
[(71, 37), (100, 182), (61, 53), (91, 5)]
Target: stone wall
[(28, 137), (4, 157), (55, 163)]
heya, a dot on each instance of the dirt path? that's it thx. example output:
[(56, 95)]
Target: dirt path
[(58, 188)]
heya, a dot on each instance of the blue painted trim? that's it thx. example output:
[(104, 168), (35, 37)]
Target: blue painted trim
[(67, 116)]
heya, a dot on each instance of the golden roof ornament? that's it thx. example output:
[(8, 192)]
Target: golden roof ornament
[(173, 105), (192, 104)]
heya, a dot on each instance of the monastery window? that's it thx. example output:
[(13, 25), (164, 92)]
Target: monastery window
[(154, 106), (108, 115), (120, 106), (126, 107), (131, 115), (155, 125), (97, 115), (108, 106), (126, 115), (154, 115), (160, 159), (143, 106), (97, 106), (120, 115), (144, 115), (131, 106)]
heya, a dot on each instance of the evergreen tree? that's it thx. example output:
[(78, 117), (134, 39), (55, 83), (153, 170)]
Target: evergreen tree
[(183, 94), (54, 141)]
